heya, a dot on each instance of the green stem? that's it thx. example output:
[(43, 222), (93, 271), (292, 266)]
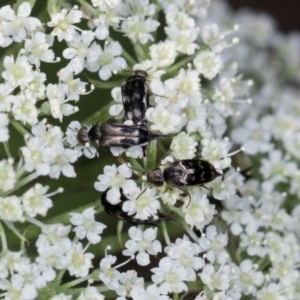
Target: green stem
[(3, 238), (119, 232), (263, 263), (20, 183), (19, 127), (35, 222), (94, 275), (12, 227), (7, 151), (151, 155), (180, 64), (88, 7), (105, 85), (165, 233), (188, 229), (139, 51), (175, 296), (58, 278)]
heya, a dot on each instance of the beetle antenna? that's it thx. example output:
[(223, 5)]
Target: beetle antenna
[(142, 192)]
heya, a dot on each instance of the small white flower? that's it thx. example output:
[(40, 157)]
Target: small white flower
[(24, 109), (4, 134), (35, 201), (38, 49), (78, 50), (116, 110), (62, 23), (115, 178), (183, 146), (271, 291), (90, 293), (63, 157), (164, 52), (11, 209), (183, 38), (152, 292), (249, 278), (36, 88), (208, 63), (37, 157), (61, 296), (79, 263), (253, 240), (128, 281), (199, 212), (8, 176), (163, 121), (86, 226), (105, 61), (144, 243), (188, 82), (254, 136), (6, 99), (214, 245), (214, 38), (222, 189), (216, 151), (170, 275), (73, 87), (215, 279), (21, 24), (186, 253), (138, 29), (142, 203), (108, 275), (57, 103), (17, 73)]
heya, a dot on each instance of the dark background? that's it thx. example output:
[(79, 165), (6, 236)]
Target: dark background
[(286, 13)]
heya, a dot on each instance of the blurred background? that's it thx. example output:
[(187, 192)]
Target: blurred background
[(286, 14)]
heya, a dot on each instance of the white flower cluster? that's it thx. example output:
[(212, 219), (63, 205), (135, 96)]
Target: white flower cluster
[(234, 237)]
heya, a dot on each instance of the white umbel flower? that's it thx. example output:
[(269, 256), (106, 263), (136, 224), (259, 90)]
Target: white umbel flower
[(86, 226), (17, 73), (142, 203), (35, 201), (115, 178), (106, 61), (164, 52), (163, 121), (170, 276), (144, 243), (183, 146), (4, 134), (62, 23), (79, 263), (199, 212), (249, 278), (11, 209), (138, 29), (8, 176), (108, 275), (208, 63), (24, 109), (90, 293)]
